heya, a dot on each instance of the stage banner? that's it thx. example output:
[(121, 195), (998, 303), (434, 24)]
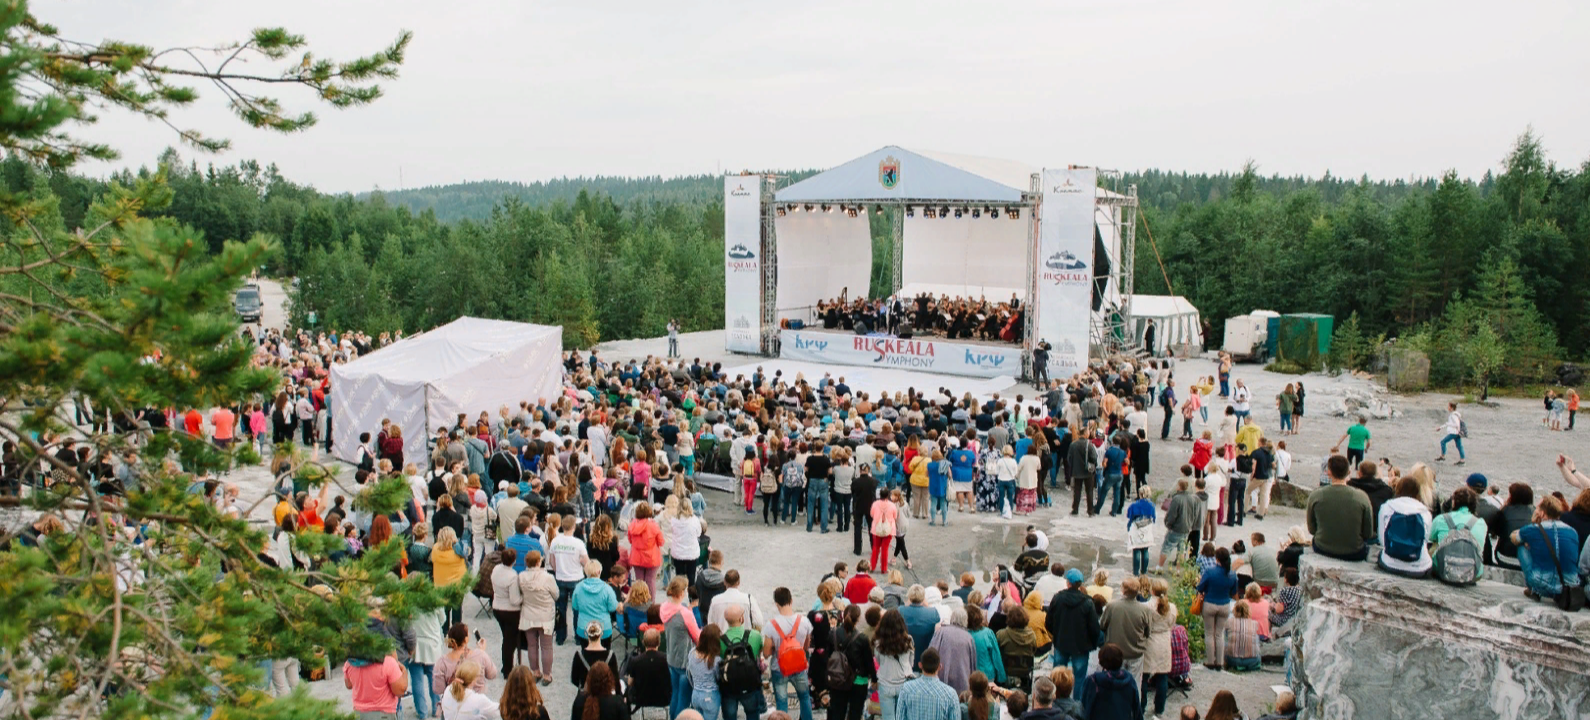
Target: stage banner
[(742, 263), (876, 351), (1065, 275)]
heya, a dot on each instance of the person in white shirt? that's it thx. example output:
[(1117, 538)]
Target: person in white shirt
[(596, 435), (1138, 418), (1240, 399), (733, 596), (568, 557), (1453, 430), (1406, 503), (1283, 462)]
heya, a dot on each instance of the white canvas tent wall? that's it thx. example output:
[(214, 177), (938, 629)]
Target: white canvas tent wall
[(819, 256), (1176, 321), (466, 366)]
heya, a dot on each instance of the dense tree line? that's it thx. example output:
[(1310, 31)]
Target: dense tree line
[(1403, 257), (616, 258)]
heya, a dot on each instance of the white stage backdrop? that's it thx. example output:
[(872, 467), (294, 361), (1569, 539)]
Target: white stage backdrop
[(924, 355), (742, 263), (820, 255), (1065, 280), (981, 257)]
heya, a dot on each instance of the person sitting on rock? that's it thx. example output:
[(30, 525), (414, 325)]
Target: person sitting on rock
[(1546, 551), (1340, 517)]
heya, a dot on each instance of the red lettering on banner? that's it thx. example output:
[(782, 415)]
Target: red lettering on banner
[(885, 347)]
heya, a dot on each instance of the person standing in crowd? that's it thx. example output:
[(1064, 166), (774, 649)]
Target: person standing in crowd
[(680, 634), (377, 685), (786, 639), (521, 699), (1219, 586), (538, 593), (567, 557), (703, 668), (1127, 623), (893, 654), (926, 697), (1112, 692), (885, 513), (505, 605), (1081, 463), (1073, 622)]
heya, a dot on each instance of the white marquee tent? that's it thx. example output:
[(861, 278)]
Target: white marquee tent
[(466, 366), (1175, 320)]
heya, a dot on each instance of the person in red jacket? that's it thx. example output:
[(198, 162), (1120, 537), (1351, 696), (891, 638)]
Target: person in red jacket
[(860, 585)]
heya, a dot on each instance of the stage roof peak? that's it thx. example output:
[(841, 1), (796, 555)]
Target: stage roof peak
[(893, 173)]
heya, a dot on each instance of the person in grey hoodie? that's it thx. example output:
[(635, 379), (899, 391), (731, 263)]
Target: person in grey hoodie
[(710, 582), (1181, 517)]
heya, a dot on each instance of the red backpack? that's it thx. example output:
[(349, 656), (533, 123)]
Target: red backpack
[(791, 656)]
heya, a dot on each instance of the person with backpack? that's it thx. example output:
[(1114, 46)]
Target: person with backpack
[(789, 635), (850, 667), (1453, 431), (750, 478), (740, 671), (1404, 529), (1167, 402), (1458, 541)]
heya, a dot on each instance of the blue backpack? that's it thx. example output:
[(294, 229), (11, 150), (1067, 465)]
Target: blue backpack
[(1405, 536)]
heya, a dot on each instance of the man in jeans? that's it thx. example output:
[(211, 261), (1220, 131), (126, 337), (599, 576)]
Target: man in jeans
[(1237, 491), (1073, 622), (568, 557), (817, 468), (793, 480), (787, 626)]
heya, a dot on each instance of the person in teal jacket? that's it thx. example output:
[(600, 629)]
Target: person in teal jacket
[(594, 601), (989, 661)]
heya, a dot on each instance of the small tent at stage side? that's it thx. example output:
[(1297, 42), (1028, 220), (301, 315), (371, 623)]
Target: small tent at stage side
[(1174, 320), (423, 382)]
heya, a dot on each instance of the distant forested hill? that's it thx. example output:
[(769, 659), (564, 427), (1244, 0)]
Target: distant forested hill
[(474, 200)]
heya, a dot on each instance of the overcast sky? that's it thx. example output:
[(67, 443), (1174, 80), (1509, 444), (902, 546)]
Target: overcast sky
[(533, 90)]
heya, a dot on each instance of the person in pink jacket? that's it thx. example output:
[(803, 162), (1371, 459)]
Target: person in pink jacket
[(645, 547), (884, 515)]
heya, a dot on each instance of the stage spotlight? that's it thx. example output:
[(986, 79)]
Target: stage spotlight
[(827, 207), (851, 212), (993, 214), (927, 212), (1013, 213), (808, 207), (780, 211), (877, 209), (944, 212), (958, 212), (976, 213), (792, 207), (910, 212)]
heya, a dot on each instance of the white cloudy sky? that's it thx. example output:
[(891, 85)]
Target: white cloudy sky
[(529, 90)]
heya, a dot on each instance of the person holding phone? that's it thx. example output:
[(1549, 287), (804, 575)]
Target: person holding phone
[(459, 651)]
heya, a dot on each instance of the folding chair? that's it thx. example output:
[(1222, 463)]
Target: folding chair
[(485, 603)]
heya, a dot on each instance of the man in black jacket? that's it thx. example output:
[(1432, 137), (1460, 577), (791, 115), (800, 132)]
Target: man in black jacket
[(647, 683), (1073, 621), (864, 490), (1081, 460), (1369, 481)]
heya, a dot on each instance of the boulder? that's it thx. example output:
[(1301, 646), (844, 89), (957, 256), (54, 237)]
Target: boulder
[(1289, 495), (1375, 645)]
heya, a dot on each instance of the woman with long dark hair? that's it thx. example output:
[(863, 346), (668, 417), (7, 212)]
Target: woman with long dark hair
[(521, 699), (596, 701), (894, 652), (703, 668)]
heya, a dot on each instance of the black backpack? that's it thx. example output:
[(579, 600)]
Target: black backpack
[(840, 674), (738, 671)]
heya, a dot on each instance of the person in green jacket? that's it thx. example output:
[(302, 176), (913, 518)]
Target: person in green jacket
[(989, 661), (1340, 517)]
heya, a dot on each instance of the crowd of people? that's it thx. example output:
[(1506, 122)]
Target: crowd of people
[(952, 318), (580, 514)]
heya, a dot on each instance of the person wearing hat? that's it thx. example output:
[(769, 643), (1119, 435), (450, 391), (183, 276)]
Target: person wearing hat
[(1073, 621)]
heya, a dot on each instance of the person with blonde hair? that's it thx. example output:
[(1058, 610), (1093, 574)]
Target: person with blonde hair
[(1242, 638), (448, 568), (462, 702)]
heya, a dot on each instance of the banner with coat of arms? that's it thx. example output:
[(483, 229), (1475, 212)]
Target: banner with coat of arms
[(889, 172), (1065, 272)]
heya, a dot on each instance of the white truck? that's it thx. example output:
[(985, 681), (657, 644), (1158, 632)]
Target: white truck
[(1246, 335)]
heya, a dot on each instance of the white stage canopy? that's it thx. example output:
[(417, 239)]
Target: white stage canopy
[(466, 366), (916, 176), (1176, 321)]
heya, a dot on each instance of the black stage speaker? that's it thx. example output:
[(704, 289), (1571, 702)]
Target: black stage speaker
[(862, 328), (905, 334)]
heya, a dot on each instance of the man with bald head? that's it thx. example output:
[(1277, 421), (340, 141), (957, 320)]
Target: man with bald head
[(736, 636)]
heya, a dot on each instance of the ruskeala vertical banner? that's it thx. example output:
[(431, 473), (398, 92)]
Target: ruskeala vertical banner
[(1065, 271), (742, 263)]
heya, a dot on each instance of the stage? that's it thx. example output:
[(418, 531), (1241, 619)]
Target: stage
[(923, 354)]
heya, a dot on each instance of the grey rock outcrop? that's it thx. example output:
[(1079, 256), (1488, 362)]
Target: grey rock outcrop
[(1374, 645)]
